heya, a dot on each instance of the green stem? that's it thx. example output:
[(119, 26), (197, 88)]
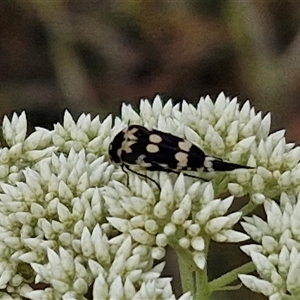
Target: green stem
[(248, 208), (193, 279), (186, 268), (202, 285), (222, 281)]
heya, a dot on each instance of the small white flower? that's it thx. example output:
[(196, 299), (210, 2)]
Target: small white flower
[(258, 285), (15, 131), (200, 260)]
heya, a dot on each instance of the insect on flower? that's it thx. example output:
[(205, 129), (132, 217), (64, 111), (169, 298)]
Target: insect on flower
[(155, 150)]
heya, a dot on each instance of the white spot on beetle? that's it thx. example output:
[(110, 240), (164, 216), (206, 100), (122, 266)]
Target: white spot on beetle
[(152, 148), (182, 159), (155, 138), (129, 134), (141, 162), (185, 145), (126, 146), (208, 163)]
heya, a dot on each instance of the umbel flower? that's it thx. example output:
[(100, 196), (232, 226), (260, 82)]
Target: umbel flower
[(74, 226)]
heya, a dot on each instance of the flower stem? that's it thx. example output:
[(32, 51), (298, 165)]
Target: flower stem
[(248, 208), (222, 281), (186, 269), (202, 286)]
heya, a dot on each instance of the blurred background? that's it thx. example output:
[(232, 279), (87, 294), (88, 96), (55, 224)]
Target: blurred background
[(92, 55)]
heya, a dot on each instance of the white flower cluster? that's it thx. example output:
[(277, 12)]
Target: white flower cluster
[(57, 198), (277, 255), (187, 215), (113, 274), (73, 222), (51, 198), (234, 133)]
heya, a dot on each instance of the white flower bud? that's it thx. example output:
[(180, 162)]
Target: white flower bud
[(60, 286), (167, 194), (4, 171), (4, 155), (160, 210), (216, 224), (184, 243), (161, 240), (274, 215), (208, 194), (292, 158), (217, 145), (258, 198), (204, 214), (105, 125), (141, 236), (122, 225), (86, 243), (129, 115), (193, 230), (221, 125), (116, 289), (83, 183), (65, 239), (100, 287), (12, 191), (224, 205), (157, 105), (34, 139), (276, 158), (253, 231), (179, 187), (270, 244), (178, 216), (134, 275), (39, 154), (169, 229), (80, 286), (285, 180), (33, 181), (186, 296), (248, 129), (293, 277), (263, 265), (199, 259), (198, 243), (158, 253), (243, 176), (64, 191), (249, 248), (24, 217), (258, 183), (265, 126), (167, 109), (151, 226), (230, 236), (244, 145), (191, 135), (257, 285), (220, 105), (64, 214), (295, 176), (230, 110), (47, 228), (262, 154)]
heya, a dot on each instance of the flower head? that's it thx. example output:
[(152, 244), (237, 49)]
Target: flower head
[(277, 254), (72, 220)]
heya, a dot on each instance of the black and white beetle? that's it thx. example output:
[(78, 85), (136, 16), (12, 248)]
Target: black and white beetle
[(155, 150)]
